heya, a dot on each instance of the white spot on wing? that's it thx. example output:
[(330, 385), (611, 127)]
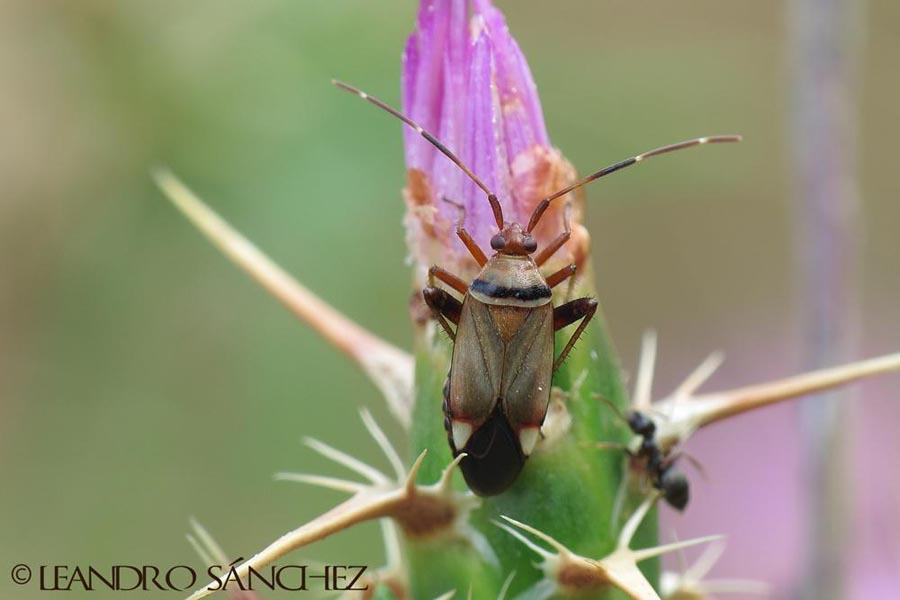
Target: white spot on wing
[(462, 431), (528, 437)]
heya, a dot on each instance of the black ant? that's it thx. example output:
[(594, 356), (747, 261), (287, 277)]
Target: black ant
[(672, 484), (658, 465)]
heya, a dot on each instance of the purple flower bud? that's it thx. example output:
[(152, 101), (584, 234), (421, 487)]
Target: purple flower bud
[(466, 81)]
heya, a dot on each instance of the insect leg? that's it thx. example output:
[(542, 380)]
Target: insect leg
[(472, 246), (611, 446), (436, 272), (557, 278), (669, 460), (561, 239), (562, 275), (568, 313), (443, 303), (443, 306)]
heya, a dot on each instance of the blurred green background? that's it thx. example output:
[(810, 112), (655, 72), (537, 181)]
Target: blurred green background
[(143, 379)]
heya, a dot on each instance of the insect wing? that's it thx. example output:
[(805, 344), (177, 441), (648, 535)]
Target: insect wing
[(476, 372), (527, 370)]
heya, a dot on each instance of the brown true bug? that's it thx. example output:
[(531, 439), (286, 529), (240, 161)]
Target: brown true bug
[(498, 388)]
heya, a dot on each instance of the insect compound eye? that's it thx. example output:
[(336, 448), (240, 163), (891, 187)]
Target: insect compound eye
[(498, 242), (530, 245)]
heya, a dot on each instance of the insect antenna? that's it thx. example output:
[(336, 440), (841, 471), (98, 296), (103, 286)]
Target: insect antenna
[(616, 410), (492, 198), (543, 204)]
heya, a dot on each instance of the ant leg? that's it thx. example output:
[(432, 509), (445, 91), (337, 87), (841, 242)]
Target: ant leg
[(568, 313), (610, 446), (669, 460), (561, 239), (470, 244)]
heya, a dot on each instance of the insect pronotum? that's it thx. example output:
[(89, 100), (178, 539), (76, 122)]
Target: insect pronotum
[(498, 387)]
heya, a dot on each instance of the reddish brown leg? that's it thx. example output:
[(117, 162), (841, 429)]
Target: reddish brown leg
[(557, 243), (560, 276), (444, 307), (447, 277), (470, 244), (568, 313)]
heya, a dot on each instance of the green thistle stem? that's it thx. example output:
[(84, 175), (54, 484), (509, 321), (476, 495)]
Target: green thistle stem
[(567, 490)]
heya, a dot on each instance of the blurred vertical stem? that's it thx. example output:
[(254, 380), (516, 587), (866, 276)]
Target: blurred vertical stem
[(824, 57)]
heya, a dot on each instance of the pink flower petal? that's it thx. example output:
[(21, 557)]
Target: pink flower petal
[(466, 81), (485, 150)]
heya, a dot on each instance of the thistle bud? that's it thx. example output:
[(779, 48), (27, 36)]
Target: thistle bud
[(466, 81)]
